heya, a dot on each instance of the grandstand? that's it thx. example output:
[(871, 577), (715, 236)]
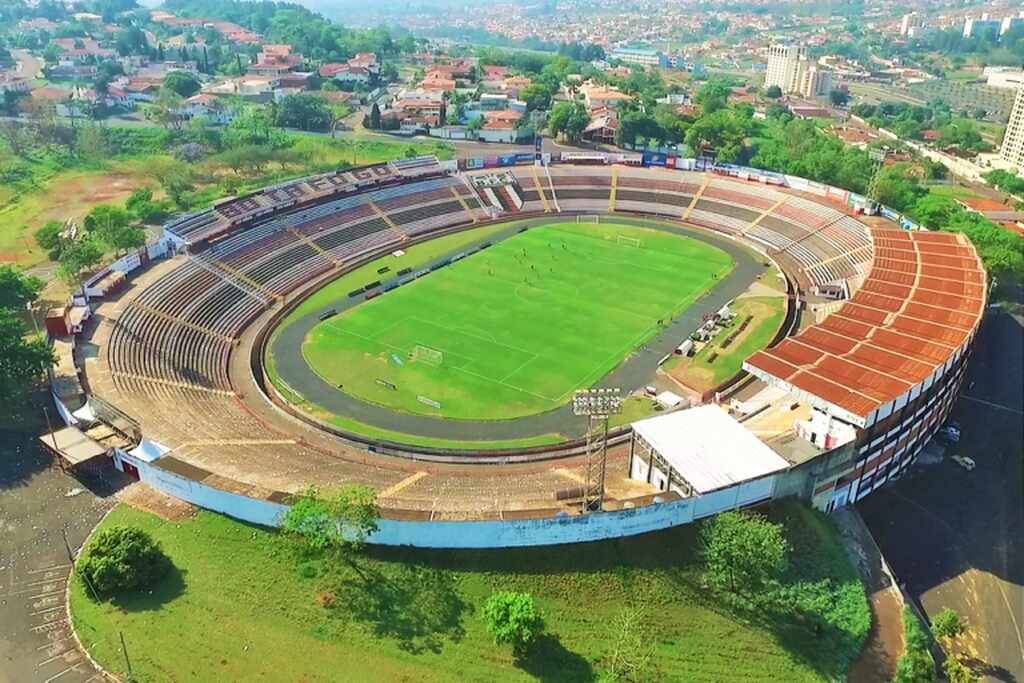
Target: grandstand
[(878, 374)]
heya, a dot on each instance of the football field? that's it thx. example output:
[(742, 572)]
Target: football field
[(514, 329)]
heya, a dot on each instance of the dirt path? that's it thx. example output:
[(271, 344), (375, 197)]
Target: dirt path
[(877, 661)]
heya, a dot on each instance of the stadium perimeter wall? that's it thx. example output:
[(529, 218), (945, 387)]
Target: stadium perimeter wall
[(661, 514)]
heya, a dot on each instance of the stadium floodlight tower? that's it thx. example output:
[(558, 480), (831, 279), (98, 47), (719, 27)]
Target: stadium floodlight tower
[(597, 405), (877, 157)]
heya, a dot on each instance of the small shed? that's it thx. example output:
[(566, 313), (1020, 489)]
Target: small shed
[(72, 446), (704, 452)]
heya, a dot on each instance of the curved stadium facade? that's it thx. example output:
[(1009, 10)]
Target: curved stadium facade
[(884, 321)]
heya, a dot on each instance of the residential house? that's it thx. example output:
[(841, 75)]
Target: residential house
[(500, 126), (345, 73), (597, 96), (275, 60), (602, 127), (513, 85), (208, 106)]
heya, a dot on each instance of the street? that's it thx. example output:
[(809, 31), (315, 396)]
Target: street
[(953, 537), (36, 503)]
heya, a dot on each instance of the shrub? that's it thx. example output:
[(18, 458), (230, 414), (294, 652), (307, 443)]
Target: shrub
[(122, 559), (916, 665), (513, 618)]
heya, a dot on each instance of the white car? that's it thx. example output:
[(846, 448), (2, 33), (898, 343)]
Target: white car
[(965, 462)]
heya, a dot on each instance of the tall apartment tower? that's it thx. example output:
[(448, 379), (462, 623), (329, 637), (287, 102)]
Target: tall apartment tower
[(785, 63), (1012, 149)]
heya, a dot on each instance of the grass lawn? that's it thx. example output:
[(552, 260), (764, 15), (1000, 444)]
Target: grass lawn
[(702, 372), (507, 321), (953, 191), (245, 604), (78, 192)]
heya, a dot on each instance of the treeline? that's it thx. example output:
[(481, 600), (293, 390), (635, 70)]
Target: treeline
[(910, 121), (306, 31)]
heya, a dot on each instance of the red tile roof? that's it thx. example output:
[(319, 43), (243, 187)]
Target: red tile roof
[(919, 305)]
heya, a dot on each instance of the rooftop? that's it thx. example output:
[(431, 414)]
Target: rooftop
[(708, 448), (917, 308)]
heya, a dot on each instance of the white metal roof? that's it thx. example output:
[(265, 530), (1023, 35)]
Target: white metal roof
[(708, 448)]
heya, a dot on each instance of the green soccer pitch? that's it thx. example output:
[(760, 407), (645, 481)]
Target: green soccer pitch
[(513, 330)]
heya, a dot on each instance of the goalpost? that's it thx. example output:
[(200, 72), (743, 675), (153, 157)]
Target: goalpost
[(588, 219), (629, 241), (427, 355)]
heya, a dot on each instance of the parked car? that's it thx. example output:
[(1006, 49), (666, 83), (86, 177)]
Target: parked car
[(965, 462)]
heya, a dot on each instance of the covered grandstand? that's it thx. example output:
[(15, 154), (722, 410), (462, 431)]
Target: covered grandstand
[(176, 348)]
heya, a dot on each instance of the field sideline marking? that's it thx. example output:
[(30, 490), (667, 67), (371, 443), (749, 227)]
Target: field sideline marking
[(601, 254)]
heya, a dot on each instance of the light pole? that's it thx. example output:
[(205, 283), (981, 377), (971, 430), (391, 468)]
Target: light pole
[(596, 405)]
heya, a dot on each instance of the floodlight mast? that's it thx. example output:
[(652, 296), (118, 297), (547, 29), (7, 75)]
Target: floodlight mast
[(596, 405)]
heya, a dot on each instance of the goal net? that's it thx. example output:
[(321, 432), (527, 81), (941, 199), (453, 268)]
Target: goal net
[(425, 354), (629, 241), (588, 219)]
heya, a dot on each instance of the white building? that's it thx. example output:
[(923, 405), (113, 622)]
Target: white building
[(1012, 150), (790, 69), (814, 81), (911, 24), (1003, 77), (703, 452), (784, 65), (639, 56)]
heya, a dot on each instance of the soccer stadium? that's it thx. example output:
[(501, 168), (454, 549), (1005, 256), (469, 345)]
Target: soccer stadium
[(422, 327)]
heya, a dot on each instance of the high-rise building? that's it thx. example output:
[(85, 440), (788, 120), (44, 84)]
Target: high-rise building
[(1012, 149), (791, 70), (911, 24), (1010, 23), (977, 27), (784, 66), (814, 80)]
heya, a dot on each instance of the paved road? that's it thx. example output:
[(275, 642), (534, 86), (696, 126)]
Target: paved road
[(35, 505), (956, 538), (636, 371)]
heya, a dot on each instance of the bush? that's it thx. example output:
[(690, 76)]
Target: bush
[(122, 559), (916, 665), (513, 618)]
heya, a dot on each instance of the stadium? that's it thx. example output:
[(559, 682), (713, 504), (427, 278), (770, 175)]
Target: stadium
[(421, 327)]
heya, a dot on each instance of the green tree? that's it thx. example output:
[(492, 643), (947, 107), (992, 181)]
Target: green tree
[(513, 619), (17, 290), (25, 359), (374, 117), (537, 97), (947, 625), (121, 559), (898, 187), (742, 550), (712, 96), (182, 83), (78, 257), (306, 112), (568, 119), (838, 97), (935, 211), (722, 131), (340, 521), (958, 672), (773, 91), (49, 237)]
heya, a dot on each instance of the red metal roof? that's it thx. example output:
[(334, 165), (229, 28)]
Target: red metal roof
[(920, 303)]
